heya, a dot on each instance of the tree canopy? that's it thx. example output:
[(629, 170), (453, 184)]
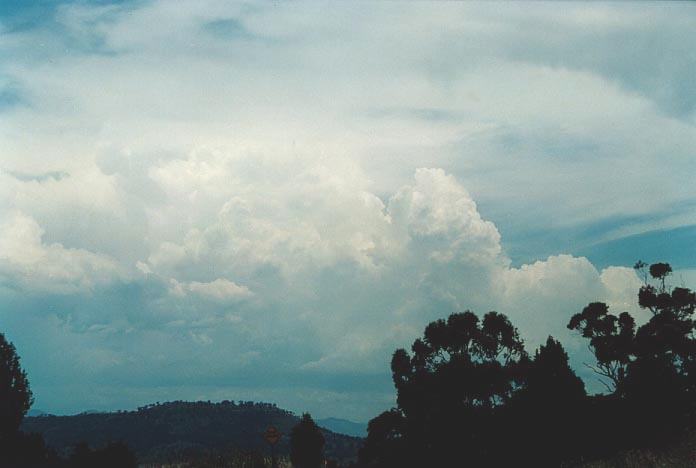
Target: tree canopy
[(15, 395), (652, 368), (468, 392), (306, 444), (461, 390)]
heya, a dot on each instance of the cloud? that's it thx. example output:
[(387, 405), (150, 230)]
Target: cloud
[(34, 266), (220, 289), (546, 278), (542, 296), (438, 207), (621, 285), (327, 261), (307, 186)]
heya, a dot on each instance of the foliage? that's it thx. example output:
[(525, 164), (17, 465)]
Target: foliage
[(113, 455), (652, 369), (465, 389), (550, 408), (677, 454), (183, 431), (385, 444), (611, 340), (29, 451), (306, 444), (468, 391), (15, 394)]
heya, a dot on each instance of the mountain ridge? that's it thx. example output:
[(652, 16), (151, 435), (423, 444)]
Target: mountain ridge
[(177, 430), (344, 426)]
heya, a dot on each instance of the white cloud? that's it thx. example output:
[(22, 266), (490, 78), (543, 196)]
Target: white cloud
[(622, 285), (220, 289), (291, 215), (320, 182), (437, 206), (551, 277), (36, 267), (541, 297)]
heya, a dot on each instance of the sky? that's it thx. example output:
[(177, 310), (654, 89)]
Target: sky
[(262, 201)]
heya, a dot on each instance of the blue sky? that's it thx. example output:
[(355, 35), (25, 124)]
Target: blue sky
[(261, 201)]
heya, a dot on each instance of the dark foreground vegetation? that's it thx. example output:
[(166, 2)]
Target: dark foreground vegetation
[(468, 394), (678, 454), (182, 431)]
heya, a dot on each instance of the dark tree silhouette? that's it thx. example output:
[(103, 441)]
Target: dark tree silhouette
[(652, 370), (611, 341), (384, 445), (468, 394), (449, 392), (113, 455), (17, 449), (15, 394), (81, 455), (29, 451), (550, 379), (661, 378), (306, 444), (546, 417)]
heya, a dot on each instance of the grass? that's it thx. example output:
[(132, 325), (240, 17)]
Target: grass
[(679, 455)]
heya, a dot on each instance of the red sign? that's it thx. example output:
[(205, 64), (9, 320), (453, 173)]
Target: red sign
[(272, 435)]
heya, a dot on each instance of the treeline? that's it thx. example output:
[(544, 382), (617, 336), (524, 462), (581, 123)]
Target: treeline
[(20, 450), (468, 394), (223, 406), (185, 433)]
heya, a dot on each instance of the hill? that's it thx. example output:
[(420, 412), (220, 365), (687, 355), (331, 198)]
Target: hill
[(162, 433), (344, 426)]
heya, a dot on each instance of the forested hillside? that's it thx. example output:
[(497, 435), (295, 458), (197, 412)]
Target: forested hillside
[(181, 430)]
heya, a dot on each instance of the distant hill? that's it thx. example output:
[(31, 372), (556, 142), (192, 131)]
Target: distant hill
[(344, 426), (172, 431)]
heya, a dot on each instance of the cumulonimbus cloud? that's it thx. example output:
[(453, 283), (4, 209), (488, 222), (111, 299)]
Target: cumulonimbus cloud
[(307, 190)]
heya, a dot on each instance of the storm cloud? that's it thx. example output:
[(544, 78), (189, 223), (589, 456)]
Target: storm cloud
[(262, 201)]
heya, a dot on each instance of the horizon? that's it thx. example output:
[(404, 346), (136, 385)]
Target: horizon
[(262, 201), (39, 412)]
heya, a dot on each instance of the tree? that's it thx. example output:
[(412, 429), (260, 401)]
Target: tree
[(475, 357), (467, 392), (611, 341), (546, 416), (15, 394), (384, 445), (651, 369), (550, 378), (449, 392), (16, 448), (306, 444), (661, 379), (113, 455)]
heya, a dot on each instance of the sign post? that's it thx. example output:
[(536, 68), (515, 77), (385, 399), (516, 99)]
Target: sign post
[(272, 436)]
